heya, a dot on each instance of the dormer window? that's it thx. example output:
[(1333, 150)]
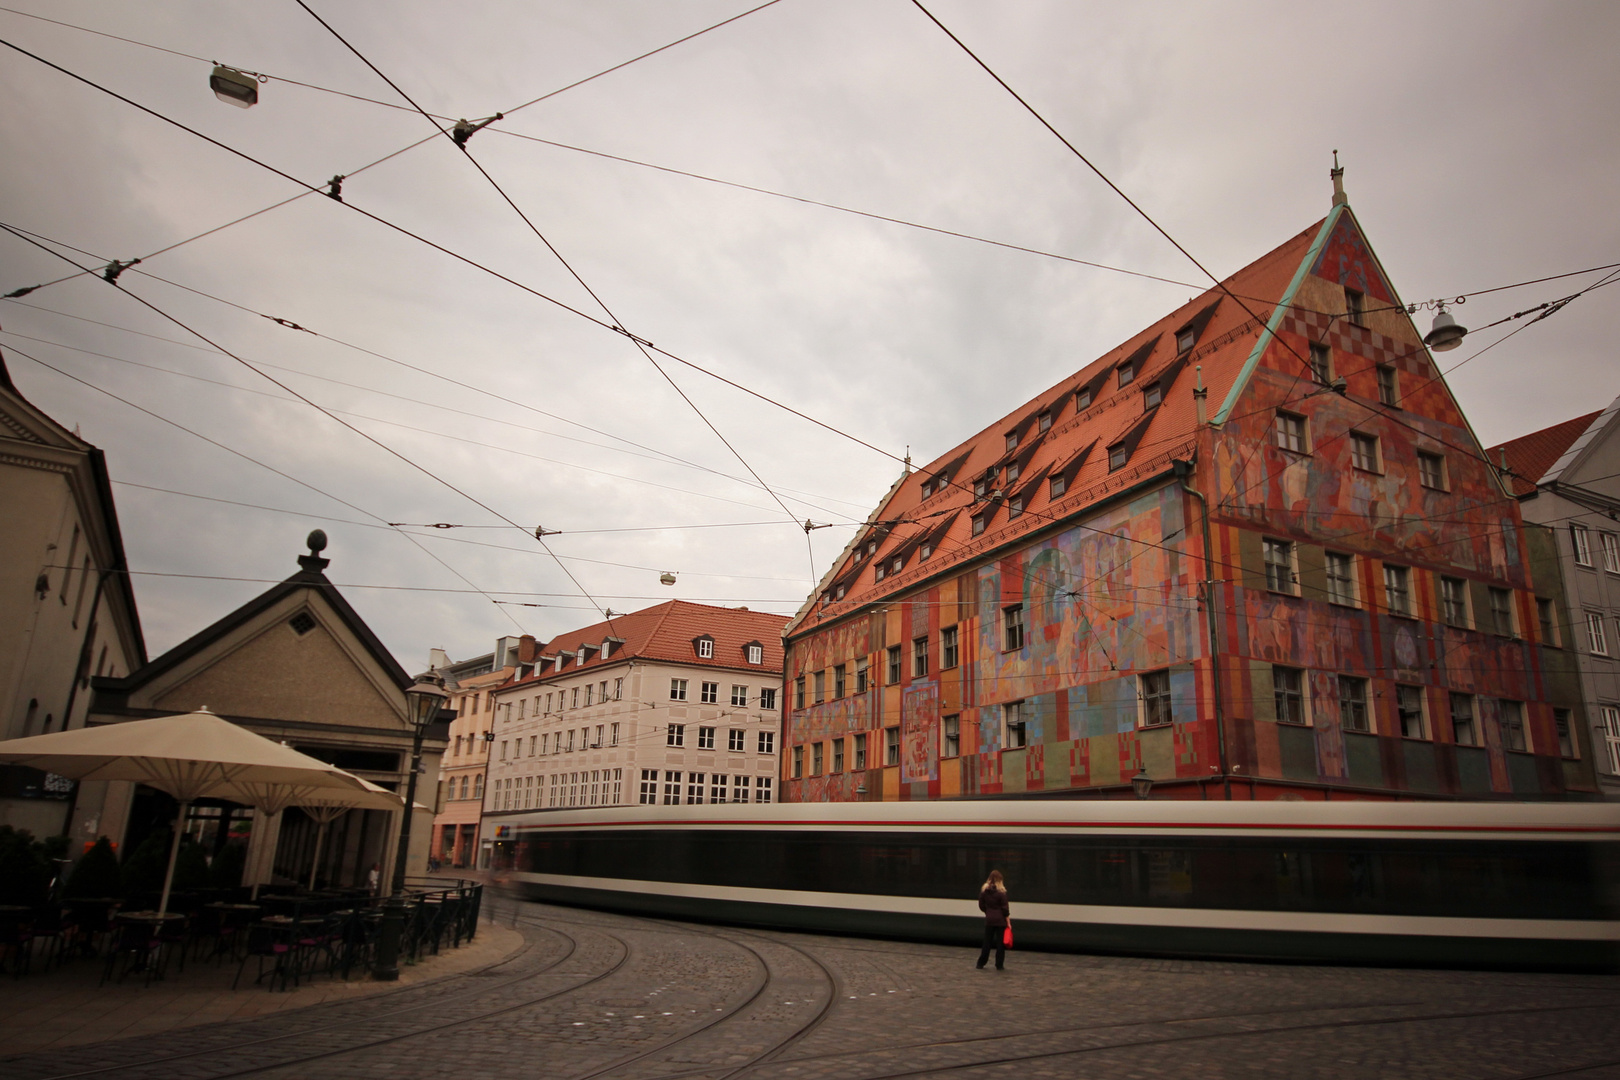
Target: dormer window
[(839, 594), (579, 657), (1082, 398), (978, 523), (562, 659), (705, 647), (754, 652), (1153, 395), (1117, 456), (1059, 485), (897, 565), (880, 572), (1127, 375), (1186, 340), (980, 487), (607, 648), (1012, 440), (1012, 472), (927, 488), (927, 550), (871, 547), (1045, 421), (1015, 508)]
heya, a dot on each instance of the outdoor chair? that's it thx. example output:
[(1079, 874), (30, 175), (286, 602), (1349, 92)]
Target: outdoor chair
[(175, 936), (16, 943), (267, 943), (54, 925), (136, 947), (92, 922)]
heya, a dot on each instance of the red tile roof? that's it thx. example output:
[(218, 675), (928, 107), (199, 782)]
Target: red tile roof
[(1530, 456), (668, 632), (1077, 445)]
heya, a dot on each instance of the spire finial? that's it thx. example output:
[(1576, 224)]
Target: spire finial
[(1337, 173)]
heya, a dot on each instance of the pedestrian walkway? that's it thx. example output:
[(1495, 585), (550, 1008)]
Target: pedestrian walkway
[(65, 1007)]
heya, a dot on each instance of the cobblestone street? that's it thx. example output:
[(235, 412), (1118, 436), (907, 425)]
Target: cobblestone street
[(589, 994)]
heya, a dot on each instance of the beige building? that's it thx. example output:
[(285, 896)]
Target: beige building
[(298, 665), (678, 703), (465, 766), (67, 613)]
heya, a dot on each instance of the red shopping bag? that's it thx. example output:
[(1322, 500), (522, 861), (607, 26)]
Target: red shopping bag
[(1006, 935)]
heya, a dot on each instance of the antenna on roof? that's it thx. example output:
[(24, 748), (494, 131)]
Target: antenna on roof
[(1337, 173)]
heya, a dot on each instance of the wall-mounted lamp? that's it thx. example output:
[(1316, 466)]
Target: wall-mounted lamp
[(1142, 784)]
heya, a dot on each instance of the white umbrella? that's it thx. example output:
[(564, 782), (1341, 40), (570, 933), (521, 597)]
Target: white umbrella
[(191, 756), (329, 805)]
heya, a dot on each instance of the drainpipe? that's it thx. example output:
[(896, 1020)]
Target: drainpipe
[(1183, 472)]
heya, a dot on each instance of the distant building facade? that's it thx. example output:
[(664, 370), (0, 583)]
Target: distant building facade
[(465, 766), (1568, 477), (67, 612), (1253, 552), (677, 703)]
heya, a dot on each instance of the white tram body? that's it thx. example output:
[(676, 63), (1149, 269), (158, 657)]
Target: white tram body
[(1484, 884)]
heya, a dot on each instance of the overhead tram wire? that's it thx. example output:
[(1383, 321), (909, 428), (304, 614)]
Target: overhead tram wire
[(323, 411), (618, 323), (263, 465)]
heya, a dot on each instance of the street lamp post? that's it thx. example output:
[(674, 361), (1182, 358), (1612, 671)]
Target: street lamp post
[(423, 701)]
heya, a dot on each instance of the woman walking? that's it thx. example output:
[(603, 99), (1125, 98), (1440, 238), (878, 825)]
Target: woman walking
[(997, 916)]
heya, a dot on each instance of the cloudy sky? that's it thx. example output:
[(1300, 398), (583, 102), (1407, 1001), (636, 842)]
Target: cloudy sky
[(1479, 143)]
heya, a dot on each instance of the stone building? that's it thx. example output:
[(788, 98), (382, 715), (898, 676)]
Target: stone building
[(1255, 551), (67, 612), (1567, 477), (676, 703)]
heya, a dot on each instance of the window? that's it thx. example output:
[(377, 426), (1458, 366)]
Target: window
[(924, 552), (947, 647), (898, 564), (894, 664), (1015, 507), (1012, 441), (601, 692), (705, 648), (798, 692), (919, 658), (762, 790), (767, 698), (1597, 642), (705, 738), (1610, 720), (1409, 710), (766, 742), (588, 689), (981, 487), (1397, 590), (1279, 559), (1431, 470), (672, 788), (860, 676), (739, 789), (838, 755), (574, 698), (860, 750), (736, 740), (816, 753), (978, 524), (1510, 714), (1462, 720), (1288, 686), (1127, 375), (739, 695), (1058, 486), (503, 749), (1044, 423), (709, 693), (1364, 451), (952, 731), (1152, 396), (1015, 726), (613, 735), (1387, 389), (1611, 552), (879, 572), (1582, 542), (1341, 579), (1186, 340), (677, 689), (756, 654), (1321, 363), (1013, 471), (1117, 457), (1082, 398), (1454, 601), (1155, 688), (1565, 733), (1353, 703), (819, 679), (1012, 626), (1549, 622), (1290, 432), (798, 762), (1501, 611), (1354, 305), (891, 746), (674, 736), (478, 786), (571, 740)]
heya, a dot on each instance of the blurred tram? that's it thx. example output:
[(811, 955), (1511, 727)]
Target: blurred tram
[(1475, 884)]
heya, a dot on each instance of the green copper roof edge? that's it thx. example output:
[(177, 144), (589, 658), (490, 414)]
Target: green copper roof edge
[(1277, 314)]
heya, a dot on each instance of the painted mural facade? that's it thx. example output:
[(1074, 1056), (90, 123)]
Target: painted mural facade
[(1378, 627)]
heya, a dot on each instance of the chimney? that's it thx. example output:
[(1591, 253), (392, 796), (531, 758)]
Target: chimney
[(527, 648)]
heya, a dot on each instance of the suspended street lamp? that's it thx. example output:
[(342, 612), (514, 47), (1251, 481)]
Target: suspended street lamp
[(1446, 334), (239, 88)]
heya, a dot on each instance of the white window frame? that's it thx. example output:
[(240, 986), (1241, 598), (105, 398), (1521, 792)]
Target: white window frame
[(1153, 699), (708, 693), (1342, 589), (756, 654), (1355, 706), (705, 648), (1597, 638), (1435, 478), (1446, 603), (1609, 721), (677, 689), (767, 742), (705, 738), (1282, 694), (1282, 576), (1611, 551), (739, 694), (1014, 726), (1581, 540), (1372, 460), (1292, 429), (674, 735), (736, 741), (767, 698), (1398, 584)]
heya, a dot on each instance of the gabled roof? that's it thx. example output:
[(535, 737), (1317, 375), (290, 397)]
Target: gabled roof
[(1531, 457), (1074, 445), (666, 632)]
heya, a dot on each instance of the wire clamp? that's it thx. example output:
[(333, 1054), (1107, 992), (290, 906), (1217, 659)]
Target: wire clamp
[(466, 129), (114, 268), (335, 187)]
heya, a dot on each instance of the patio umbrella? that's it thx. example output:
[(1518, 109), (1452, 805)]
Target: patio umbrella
[(191, 756), (329, 805)]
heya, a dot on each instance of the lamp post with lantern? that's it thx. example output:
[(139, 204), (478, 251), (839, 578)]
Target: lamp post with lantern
[(423, 702)]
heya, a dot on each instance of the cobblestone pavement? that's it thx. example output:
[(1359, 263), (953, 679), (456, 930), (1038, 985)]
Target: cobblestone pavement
[(602, 995)]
